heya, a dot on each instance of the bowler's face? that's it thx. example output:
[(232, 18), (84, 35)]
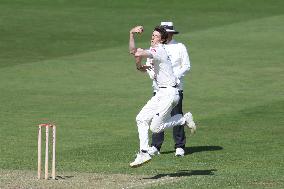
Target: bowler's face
[(156, 38)]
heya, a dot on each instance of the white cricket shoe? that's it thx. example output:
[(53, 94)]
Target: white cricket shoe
[(179, 152), (141, 158), (153, 151), (189, 122)]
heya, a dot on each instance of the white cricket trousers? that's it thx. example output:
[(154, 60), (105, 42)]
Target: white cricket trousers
[(156, 115)]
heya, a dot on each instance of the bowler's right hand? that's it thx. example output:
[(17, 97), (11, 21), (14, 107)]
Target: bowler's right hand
[(137, 29)]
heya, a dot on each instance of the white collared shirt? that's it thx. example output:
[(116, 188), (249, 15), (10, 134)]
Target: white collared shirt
[(162, 74), (178, 55)]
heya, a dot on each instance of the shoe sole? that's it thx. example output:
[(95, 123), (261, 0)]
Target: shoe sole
[(139, 165), (192, 128)]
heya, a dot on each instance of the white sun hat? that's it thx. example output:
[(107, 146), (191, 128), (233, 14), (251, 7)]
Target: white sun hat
[(169, 26)]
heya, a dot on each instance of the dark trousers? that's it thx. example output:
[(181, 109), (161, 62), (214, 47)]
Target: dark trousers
[(178, 131)]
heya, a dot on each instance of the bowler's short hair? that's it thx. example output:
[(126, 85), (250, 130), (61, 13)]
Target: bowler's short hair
[(163, 32)]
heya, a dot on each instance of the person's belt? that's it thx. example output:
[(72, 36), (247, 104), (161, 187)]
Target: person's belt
[(170, 86)]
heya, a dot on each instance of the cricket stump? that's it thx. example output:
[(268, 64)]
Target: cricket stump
[(47, 126)]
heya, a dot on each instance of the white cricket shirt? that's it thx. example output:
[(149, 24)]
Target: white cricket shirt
[(179, 58), (162, 67)]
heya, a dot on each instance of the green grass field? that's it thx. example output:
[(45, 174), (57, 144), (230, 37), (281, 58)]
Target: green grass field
[(68, 61)]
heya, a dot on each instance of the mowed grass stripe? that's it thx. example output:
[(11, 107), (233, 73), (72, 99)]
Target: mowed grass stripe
[(38, 30), (236, 64)]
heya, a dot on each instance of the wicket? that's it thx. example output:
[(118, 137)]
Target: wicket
[(47, 126)]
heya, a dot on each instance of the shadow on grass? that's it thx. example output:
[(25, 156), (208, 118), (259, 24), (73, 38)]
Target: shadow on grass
[(63, 177), (195, 149), (184, 173)]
